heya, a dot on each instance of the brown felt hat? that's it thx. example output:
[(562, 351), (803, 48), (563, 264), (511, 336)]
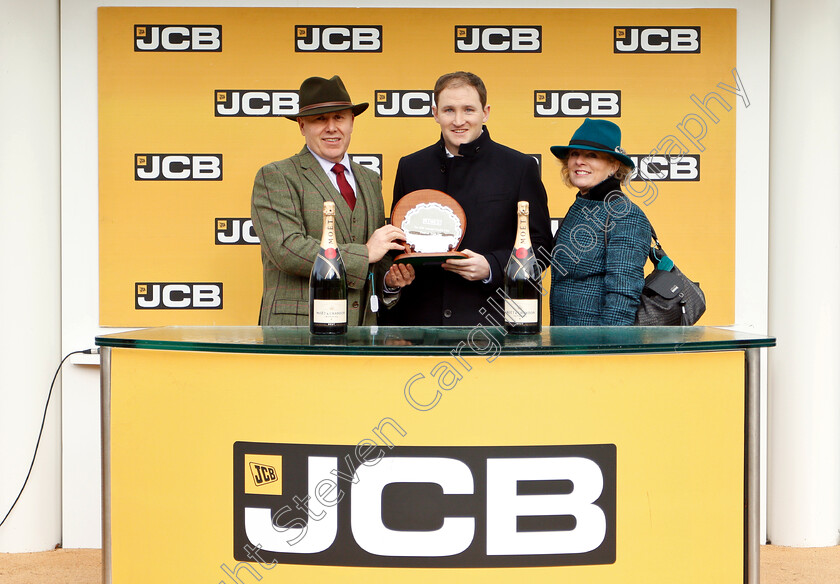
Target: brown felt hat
[(320, 96)]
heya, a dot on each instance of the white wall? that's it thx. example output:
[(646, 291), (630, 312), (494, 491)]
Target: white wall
[(29, 272), (804, 499), (80, 218)]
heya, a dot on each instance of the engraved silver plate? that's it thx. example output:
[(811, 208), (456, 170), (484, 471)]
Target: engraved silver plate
[(432, 228)]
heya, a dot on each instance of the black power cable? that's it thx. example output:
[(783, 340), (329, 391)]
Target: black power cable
[(41, 431)]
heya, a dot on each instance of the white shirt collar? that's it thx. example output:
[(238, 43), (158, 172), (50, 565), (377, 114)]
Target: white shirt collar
[(327, 165)]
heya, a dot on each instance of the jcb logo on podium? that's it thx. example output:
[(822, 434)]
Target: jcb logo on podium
[(178, 295), (685, 167), (262, 474), (498, 39), (401, 103), (177, 38), (338, 39), (177, 167), (255, 102), (235, 231), (656, 39), (577, 104), (371, 161), (429, 506)]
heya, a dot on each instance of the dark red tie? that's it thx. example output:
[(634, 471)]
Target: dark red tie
[(344, 186)]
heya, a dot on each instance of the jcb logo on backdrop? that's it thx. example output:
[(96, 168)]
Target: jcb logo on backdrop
[(572, 104), (235, 231), (371, 161), (338, 39), (428, 506), (498, 39), (662, 168), (177, 38), (656, 39), (255, 102), (178, 167), (401, 103), (178, 295)]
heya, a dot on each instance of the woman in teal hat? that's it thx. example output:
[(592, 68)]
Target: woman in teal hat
[(602, 245)]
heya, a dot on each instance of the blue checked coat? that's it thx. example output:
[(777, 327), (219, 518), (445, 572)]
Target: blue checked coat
[(598, 260)]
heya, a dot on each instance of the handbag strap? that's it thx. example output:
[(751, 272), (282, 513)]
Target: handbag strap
[(653, 236), (656, 253)]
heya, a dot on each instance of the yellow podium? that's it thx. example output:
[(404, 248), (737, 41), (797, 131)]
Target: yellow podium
[(263, 454)]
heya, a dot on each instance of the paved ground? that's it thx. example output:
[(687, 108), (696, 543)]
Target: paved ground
[(779, 565), (56, 567), (783, 565)]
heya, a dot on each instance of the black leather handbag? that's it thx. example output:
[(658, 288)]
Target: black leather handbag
[(669, 297)]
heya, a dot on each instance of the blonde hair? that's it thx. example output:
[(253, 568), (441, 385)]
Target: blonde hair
[(623, 173)]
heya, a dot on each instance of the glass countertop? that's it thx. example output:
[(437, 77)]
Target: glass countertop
[(408, 341)]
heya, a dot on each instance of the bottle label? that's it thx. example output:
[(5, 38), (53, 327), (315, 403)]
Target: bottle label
[(521, 311), (523, 235), (329, 311)]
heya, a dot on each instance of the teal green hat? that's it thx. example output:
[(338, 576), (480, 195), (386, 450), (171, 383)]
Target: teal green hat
[(598, 135)]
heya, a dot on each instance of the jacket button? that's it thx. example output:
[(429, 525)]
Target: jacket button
[(355, 304), (447, 313)]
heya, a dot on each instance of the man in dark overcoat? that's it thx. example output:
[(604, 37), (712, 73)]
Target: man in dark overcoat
[(487, 179)]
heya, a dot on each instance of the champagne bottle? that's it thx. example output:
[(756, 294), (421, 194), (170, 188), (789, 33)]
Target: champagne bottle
[(523, 286), (328, 283)]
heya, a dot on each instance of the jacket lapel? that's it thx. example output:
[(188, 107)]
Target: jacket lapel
[(313, 173), (366, 191)]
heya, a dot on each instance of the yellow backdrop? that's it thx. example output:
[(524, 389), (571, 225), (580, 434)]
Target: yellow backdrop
[(189, 104)]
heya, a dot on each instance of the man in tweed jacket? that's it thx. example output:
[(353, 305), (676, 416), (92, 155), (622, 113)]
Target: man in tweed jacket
[(287, 210)]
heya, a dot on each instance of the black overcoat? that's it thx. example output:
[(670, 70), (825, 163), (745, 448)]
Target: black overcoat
[(487, 179)]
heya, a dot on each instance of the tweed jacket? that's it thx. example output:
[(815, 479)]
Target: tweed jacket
[(487, 180), (287, 206), (598, 260)]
